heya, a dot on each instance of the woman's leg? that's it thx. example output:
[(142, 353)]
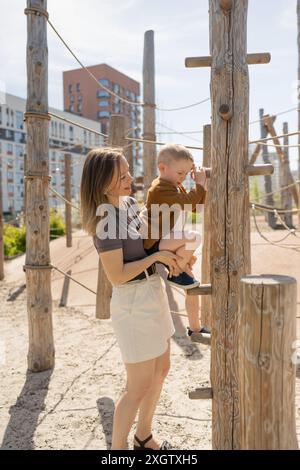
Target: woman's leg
[(149, 402), (139, 380)]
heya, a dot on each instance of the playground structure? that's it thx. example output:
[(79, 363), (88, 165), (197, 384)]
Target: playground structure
[(238, 305)]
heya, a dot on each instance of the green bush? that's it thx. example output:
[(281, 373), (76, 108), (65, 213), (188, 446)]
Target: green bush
[(57, 226), (14, 240)]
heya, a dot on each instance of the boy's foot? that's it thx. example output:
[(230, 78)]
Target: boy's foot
[(184, 281), (202, 336)]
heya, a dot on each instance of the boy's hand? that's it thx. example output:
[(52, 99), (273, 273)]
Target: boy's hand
[(199, 175)]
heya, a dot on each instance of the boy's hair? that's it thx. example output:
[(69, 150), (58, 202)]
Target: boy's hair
[(171, 152)]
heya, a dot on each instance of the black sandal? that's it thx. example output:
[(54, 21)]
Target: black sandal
[(164, 446)]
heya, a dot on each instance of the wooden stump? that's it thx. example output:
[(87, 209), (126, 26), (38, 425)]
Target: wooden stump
[(266, 371)]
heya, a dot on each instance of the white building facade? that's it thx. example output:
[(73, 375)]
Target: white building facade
[(62, 135)]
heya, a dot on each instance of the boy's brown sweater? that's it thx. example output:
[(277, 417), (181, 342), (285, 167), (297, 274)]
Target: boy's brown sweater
[(162, 191)]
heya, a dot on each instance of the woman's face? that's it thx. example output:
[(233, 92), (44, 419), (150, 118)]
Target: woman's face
[(121, 183)]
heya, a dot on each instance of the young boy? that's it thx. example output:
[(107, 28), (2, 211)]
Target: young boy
[(166, 192)]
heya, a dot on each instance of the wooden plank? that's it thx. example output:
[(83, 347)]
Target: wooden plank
[(266, 370), (270, 126), (68, 196), (206, 61), (65, 290), (205, 263), (116, 138), (38, 281), (149, 150), (255, 154), (203, 393), (230, 221), (286, 194), (262, 169), (203, 289)]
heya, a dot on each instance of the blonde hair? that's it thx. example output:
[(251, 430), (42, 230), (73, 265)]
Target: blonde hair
[(98, 171), (171, 152)]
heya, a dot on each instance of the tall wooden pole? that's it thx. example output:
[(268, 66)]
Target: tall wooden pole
[(116, 138), (298, 90), (149, 150), (205, 264), (1, 232), (269, 200), (37, 262), (286, 195), (68, 197), (230, 221), (267, 372)]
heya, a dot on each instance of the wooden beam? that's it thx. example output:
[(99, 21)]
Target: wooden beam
[(205, 260), (37, 263), (197, 337), (203, 393), (149, 150), (270, 126), (262, 169), (65, 290), (230, 245), (68, 196), (255, 154), (203, 289), (206, 61), (286, 194)]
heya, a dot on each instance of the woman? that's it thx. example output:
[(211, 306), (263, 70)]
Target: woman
[(139, 307)]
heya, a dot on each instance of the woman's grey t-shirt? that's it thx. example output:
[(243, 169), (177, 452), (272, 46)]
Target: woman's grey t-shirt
[(121, 230)]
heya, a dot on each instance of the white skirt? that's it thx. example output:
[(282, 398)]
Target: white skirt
[(141, 319)]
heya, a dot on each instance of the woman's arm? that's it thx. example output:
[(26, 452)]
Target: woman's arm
[(119, 272)]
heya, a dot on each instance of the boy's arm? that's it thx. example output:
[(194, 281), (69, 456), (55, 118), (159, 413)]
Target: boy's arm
[(169, 195)]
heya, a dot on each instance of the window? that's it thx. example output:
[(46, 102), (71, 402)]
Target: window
[(10, 188), (79, 98), (7, 116), (103, 128), (77, 87), (84, 137), (9, 149), (72, 99), (71, 131), (116, 88), (10, 162), (10, 175), (19, 151), (9, 134), (12, 118), (102, 94), (102, 114), (18, 137), (104, 81), (117, 108), (19, 120), (103, 104), (70, 88), (79, 107), (71, 108)]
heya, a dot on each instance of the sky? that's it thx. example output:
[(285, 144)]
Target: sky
[(112, 31)]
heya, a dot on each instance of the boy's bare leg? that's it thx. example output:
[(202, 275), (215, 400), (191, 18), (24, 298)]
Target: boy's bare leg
[(192, 305), (178, 246)]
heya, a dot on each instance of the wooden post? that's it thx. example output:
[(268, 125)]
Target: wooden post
[(205, 266), (116, 138), (230, 221), (286, 195), (267, 373), (1, 232), (269, 200), (269, 122), (68, 197), (298, 91), (149, 150), (37, 262)]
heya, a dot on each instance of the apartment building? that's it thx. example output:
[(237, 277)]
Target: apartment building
[(70, 138), (84, 97)]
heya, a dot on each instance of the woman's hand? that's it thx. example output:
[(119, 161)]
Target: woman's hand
[(170, 259)]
